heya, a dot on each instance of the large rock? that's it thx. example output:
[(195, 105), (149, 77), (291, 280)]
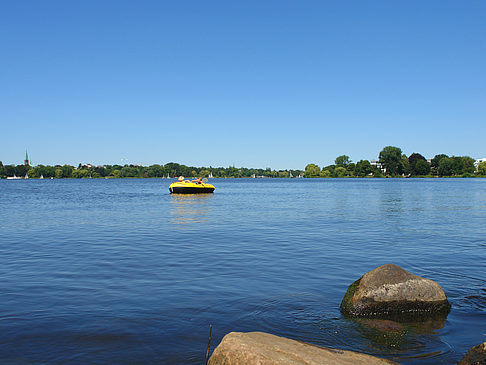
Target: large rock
[(238, 348), (390, 290), (475, 356)]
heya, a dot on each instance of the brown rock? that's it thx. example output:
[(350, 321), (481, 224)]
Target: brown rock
[(382, 325), (391, 290), (238, 348), (475, 356)]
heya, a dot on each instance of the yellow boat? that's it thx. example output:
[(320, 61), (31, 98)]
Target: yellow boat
[(187, 187)]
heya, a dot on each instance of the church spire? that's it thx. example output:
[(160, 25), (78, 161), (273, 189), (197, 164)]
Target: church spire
[(26, 161)]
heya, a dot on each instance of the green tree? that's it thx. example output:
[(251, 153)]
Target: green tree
[(468, 165), (67, 171), (462, 165), (351, 169), (421, 168), (325, 173), (445, 166), (339, 171), (9, 170), (80, 173), (363, 168), (58, 173), (405, 168), (413, 159), (128, 171), (482, 168), (312, 170), (21, 170), (155, 171), (99, 171), (330, 168), (205, 173), (435, 161), (49, 171), (115, 173), (390, 157), (342, 161), (38, 170)]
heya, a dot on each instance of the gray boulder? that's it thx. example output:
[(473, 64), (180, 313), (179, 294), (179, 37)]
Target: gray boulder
[(238, 348), (390, 290), (475, 356)]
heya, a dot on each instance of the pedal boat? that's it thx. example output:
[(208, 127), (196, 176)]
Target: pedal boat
[(190, 188)]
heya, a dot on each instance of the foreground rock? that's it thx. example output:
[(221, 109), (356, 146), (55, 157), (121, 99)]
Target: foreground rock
[(238, 348), (390, 290), (476, 356)]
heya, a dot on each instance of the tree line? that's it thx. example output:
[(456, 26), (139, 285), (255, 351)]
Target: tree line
[(393, 163), (170, 169)]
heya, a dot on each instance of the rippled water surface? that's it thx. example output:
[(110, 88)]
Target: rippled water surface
[(120, 271)]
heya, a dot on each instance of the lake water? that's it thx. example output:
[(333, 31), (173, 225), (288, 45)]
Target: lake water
[(120, 271)]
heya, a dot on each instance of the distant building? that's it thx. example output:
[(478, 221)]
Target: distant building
[(478, 161), (26, 161), (377, 164)]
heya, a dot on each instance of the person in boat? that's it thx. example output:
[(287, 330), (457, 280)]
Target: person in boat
[(181, 179), (197, 181)]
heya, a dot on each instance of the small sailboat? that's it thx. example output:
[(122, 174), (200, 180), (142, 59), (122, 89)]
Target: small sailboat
[(210, 175), (41, 177), (15, 177), (290, 174)]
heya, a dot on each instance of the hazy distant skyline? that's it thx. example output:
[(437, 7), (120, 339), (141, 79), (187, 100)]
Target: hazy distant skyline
[(276, 84)]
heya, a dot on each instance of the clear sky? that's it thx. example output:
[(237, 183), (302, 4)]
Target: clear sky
[(249, 83)]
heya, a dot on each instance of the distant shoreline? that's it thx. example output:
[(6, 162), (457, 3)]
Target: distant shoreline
[(391, 164), (248, 177)]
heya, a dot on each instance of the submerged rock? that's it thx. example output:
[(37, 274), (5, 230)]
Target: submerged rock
[(383, 325), (475, 356), (238, 348), (390, 290)]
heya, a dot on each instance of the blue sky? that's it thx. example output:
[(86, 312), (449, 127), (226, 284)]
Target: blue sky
[(275, 84)]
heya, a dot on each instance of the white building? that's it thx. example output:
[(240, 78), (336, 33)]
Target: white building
[(478, 161), (377, 164)]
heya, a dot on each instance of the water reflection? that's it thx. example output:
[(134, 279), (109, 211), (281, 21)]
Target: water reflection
[(187, 209), (402, 338)]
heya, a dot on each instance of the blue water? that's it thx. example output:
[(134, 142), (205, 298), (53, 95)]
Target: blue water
[(120, 271)]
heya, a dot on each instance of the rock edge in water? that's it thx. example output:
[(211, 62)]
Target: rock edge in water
[(476, 355), (239, 348), (390, 291)]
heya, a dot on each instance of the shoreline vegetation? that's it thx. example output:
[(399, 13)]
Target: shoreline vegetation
[(391, 163)]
